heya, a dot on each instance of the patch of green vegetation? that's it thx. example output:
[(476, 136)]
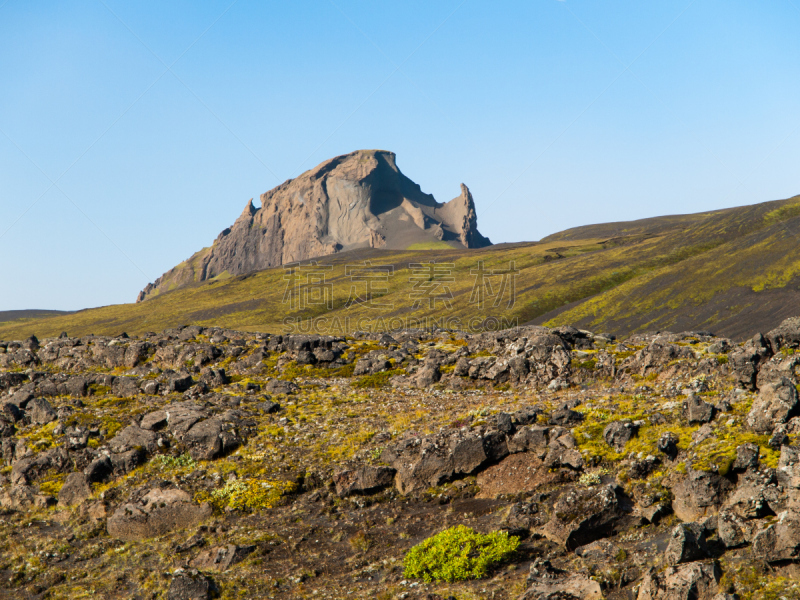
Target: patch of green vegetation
[(250, 494), (42, 438), (458, 554), (184, 461), (589, 364), (785, 212), (430, 246), (753, 583), (719, 452), (376, 380), (52, 485), (346, 448), (589, 434), (292, 371)]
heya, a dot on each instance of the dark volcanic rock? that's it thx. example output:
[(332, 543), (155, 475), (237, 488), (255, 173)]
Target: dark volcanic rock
[(221, 558), (775, 403), (668, 444), (180, 384), (530, 439), (745, 361), (581, 516), (687, 543), (779, 541), (125, 387), (425, 462), (693, 581), (565, 417), (363, 480), (132, 437), (190, 585), (155, 512), (696, 410), (746, 457), (698, 494), (619, 433), (279, 386), (76, 488), (785, 335), (39, 411), (22, 497), (551, 585), (209, 439)]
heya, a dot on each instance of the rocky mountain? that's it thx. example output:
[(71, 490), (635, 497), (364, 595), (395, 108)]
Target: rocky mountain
[(528, 464), (357, 200)]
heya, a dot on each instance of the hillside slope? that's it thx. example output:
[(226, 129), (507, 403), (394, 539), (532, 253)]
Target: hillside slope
[(734, 272), (34, 313), (740, 273)]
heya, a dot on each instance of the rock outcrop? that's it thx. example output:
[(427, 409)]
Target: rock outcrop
[(357, 200)]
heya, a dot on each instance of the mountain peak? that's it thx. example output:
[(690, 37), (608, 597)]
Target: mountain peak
[(356, 200)]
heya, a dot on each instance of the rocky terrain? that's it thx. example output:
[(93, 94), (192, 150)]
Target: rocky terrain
[(357, 200), (204, 462)]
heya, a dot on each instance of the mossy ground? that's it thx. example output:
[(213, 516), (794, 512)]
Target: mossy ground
[(310, 543)]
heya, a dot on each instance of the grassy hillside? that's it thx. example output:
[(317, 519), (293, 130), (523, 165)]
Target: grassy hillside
[(734, 272), (15, 315)]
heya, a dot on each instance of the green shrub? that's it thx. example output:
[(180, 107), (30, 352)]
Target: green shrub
[(458, 553)]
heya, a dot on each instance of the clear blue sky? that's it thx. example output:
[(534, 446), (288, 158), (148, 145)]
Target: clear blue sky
[(554, 113)]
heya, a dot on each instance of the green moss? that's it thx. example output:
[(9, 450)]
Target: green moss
[(458, 554), (292, 371), (42, 438), (376, 380), (184, 461), (589, 364), (719, 452), (753, 583), (250, 494), (787, 211), (589, 434), (52, 484)]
